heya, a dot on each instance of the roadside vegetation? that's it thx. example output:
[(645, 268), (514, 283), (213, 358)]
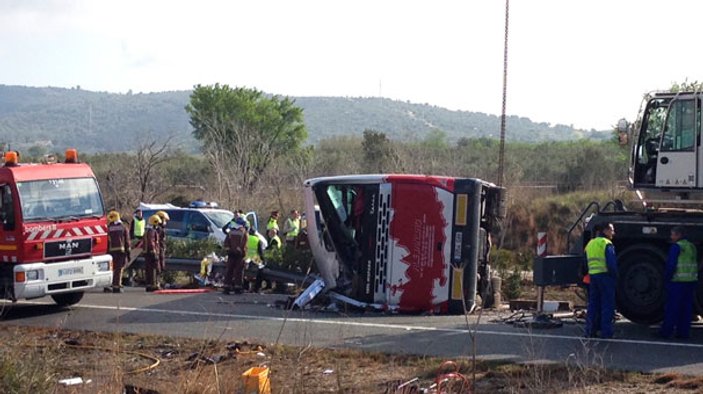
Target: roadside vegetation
[(35, 360)]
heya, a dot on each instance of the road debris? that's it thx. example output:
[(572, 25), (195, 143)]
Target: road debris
[(74, 381)]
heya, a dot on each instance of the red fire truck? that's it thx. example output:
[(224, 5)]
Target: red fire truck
[(412, 243), (53, 238)]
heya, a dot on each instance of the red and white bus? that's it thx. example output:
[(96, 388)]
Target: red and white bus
[(411, 243)]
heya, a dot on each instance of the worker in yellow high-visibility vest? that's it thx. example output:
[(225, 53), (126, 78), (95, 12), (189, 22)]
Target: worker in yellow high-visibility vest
[(255, 257), (138, 226), (291, 229), (602, 270), (681, 276)]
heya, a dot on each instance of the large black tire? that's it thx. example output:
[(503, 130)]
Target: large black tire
[(640, 292), (67, 299), (698, 299)]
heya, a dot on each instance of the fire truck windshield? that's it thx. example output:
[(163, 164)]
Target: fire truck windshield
[(59, 199)]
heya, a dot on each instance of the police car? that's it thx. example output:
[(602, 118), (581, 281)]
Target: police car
[(198, 221)]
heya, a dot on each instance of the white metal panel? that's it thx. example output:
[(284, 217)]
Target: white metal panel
[(676, 170)]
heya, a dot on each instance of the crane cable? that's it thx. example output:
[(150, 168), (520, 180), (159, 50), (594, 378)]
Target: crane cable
[(501, 154)]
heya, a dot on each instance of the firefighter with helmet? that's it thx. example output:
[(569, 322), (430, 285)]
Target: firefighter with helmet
[(161, 228), (118, 247), (151, 252), (236, 247)]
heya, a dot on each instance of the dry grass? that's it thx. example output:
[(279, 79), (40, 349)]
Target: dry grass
[(33, 360)]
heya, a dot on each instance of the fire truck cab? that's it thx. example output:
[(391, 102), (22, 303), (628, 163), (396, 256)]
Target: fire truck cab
[(53, 238)]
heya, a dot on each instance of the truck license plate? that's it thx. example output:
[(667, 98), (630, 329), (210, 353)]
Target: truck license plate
[(70, 271)]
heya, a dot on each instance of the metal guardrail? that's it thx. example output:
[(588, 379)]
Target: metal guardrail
[(193, 266), (180, 264)]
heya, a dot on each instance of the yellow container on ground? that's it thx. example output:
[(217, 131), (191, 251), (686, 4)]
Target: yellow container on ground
[(256, 381)]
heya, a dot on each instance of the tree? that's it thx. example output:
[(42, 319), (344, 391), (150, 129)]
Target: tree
[(379, 155), (686, 86), (242, 131), (150, 156)]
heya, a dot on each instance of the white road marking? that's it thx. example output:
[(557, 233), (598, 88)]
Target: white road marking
[(380, 325)]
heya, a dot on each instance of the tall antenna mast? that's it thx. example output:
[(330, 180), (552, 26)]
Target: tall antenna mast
[(501, 159)]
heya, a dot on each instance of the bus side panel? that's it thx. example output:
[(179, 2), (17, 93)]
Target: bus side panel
[(420, 234)]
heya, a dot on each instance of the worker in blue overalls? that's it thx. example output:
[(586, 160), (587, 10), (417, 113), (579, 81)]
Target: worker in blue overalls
[(602, 270), (681, 281)]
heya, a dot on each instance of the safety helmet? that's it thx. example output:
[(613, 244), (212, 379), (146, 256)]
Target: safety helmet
[(113, 216), (163, 215), (154, 220)]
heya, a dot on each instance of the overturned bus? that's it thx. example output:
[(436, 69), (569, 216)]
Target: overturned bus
[(411, 243)]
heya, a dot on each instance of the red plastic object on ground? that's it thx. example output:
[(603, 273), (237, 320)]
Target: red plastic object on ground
[(182, 291)]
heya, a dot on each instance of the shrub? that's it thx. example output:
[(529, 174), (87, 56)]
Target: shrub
[(289, 259), (512, 285)]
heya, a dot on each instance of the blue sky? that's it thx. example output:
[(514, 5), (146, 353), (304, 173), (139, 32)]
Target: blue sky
[(585, 63)]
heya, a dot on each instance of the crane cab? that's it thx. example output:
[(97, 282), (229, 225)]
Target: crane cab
[(666, 150)]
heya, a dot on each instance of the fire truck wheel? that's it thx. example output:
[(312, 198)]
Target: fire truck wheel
[(66, 299), (640, 289)]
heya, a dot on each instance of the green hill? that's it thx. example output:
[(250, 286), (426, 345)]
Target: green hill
[(56, 118)]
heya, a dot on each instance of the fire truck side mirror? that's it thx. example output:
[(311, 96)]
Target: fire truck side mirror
[(7, 212)]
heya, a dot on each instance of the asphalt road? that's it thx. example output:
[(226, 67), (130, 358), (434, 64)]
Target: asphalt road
[(253, 317)]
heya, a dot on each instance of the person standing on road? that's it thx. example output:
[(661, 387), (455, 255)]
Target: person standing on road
[(255, 257), (118, 246), (681, 277), (255, 248), (238, 215), (151, 252), (292, 227), (138, 226), (137, 229), (236, 246), (161, 229), (602, 270)]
